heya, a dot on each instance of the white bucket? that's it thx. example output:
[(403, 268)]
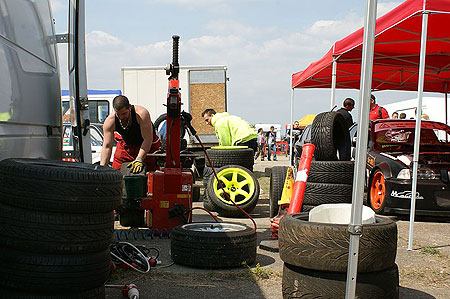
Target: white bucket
[(339, 213)]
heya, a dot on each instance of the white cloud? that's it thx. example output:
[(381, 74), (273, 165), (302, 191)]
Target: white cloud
[(233, 27), (334, 30), (260, 60), (385, 7)]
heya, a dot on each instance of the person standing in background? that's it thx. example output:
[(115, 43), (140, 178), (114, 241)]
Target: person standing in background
[(376, 111), (394, 115), (261, 139), (271, 142), (347, 107)]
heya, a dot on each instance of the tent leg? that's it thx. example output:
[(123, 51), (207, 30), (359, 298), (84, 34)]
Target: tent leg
[(423, 47), (291, 146), (355, 227), (333, 84)]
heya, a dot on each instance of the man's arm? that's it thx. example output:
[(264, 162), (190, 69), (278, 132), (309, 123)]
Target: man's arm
[(145, 122), (108, 141)]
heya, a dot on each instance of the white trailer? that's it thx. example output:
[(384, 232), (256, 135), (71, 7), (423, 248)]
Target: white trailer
[(201, 87), (434, 107)]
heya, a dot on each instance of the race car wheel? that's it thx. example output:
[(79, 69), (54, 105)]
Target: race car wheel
[(277, 178), (377, 192), (241, 186), (213, 245)]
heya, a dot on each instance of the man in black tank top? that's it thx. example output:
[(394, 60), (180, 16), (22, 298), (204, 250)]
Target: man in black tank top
[(135, 134)]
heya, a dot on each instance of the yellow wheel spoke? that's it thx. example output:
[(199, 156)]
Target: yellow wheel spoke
[(243, 183), (234, 179), (242, 192), (233, 196), (225, 181)]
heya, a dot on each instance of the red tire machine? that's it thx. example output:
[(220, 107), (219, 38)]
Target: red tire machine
[(169, 191)]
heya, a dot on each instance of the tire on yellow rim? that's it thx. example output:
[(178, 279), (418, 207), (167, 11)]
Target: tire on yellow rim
[(377, 192), (240, 184)]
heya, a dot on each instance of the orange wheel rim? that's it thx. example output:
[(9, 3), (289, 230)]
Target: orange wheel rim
[(377, 190)]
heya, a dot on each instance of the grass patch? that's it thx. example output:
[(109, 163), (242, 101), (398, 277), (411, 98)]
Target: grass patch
[(430, 251), (259, 272)]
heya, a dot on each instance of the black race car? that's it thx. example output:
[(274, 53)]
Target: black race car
[(389, 167)]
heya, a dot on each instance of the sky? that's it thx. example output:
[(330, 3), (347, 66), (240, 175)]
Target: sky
[(262, 42)]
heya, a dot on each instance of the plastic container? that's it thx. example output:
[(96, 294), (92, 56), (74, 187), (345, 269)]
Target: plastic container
[(339, 213)]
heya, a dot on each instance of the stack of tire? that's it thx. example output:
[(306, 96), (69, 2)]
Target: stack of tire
[(330, 177), (230, 163), (56, 225), (315, 259)]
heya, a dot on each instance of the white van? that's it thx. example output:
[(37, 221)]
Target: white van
[(30, 105)]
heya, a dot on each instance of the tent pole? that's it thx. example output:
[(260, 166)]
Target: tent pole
[(446, 102), (423, 48), (291, 146), (333, 83), (355, 226)]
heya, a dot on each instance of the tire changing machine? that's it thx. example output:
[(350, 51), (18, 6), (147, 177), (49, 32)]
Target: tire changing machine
[(168, 197)]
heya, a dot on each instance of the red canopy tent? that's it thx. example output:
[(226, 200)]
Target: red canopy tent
[(396, 53), (411, 52)]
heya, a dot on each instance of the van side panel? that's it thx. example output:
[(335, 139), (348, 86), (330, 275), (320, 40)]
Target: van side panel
[(30, 105)]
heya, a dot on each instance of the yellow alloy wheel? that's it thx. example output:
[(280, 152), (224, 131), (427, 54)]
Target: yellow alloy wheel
[(237, 183)]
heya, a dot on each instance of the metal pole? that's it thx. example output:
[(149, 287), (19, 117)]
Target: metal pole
[(355, 226), (446, 102), (423, 48), (333, 83), (291, 146)]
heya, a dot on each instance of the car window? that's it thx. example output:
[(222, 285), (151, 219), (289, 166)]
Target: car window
[(96, 138)]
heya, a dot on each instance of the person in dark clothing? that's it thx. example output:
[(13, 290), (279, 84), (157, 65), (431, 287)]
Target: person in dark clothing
[(348, 106), (132, 126)]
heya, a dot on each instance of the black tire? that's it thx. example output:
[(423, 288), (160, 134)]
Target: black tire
[(304, 283), (307, 208), (59, 273), (57, 186), (97, 293), (223, 157), (324, 247), (195, 193), (331, 137), (277, 178), (161, 119), (207, 173), (209, 204), (47, 232), (132, 218), (332, 172), (318, 193), (208, 245), (225, 206)]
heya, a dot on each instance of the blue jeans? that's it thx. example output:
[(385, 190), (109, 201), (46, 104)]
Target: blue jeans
[(272, 147)]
